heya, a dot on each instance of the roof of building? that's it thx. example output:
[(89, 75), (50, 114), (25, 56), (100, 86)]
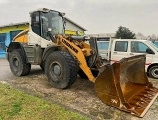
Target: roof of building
[(102, 35), (14, 24), (75, 24), (26, 23)]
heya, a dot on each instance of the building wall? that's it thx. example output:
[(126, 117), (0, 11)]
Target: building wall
[(6, 35), (70, 29), (102, 35)]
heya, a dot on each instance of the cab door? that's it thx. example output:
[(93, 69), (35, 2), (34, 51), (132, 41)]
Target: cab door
[(103, 48), (119, 50)]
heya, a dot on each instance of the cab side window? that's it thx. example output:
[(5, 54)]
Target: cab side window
[(35, 23), (44, 25)]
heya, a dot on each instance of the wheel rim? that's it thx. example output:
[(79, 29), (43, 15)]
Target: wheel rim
[(56, 71), (155, 73), (15, 63)]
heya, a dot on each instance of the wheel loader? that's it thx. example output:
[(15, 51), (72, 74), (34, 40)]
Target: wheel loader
[(123, 85)]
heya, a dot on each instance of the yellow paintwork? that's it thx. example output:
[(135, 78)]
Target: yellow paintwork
[(85, 44), (71, 32), (87, 51), (22, 37), (79, 55)]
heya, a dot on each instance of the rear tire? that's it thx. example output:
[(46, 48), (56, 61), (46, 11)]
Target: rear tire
[(61, 69), (153, 72), (18, 64)]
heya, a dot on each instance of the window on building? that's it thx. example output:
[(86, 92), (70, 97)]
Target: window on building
[(14, 33), (2, 41), (121, 46)]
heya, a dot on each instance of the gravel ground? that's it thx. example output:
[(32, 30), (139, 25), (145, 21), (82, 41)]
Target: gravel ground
[(79, 97)]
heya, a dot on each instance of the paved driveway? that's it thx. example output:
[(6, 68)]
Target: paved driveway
[(79, 97), (5, 73)]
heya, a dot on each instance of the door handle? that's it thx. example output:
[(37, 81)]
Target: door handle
[(115, 52), (131, 54)]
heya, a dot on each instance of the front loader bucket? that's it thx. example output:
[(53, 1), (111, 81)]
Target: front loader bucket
[(125, 85)]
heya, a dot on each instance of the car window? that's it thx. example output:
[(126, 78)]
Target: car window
[(103, 45), (121, 46), (138, 47)]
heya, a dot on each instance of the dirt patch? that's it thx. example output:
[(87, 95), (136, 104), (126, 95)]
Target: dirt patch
[(80, 97)]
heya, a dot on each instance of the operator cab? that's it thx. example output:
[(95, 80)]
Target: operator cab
[(45, 22)]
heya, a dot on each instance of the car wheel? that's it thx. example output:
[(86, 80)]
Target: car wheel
[(153, 72)]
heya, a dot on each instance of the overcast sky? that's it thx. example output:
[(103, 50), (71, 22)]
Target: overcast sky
[(97, 16)]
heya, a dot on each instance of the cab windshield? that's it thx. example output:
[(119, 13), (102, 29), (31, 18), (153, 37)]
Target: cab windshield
[(51, 21)]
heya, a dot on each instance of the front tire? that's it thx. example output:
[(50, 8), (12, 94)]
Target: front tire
[(153, 72), (18, 64), (61, 69)]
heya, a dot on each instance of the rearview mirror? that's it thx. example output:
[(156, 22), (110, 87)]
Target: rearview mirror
[(149, 51)]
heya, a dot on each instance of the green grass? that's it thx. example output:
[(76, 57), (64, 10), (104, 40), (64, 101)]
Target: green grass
[(16, 105)]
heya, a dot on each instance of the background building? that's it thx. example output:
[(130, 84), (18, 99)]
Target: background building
[(71, 28), (8, 32), (111, 35)]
